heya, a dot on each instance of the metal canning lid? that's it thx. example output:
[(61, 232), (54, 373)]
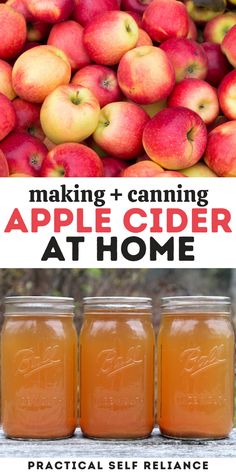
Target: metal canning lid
[(190, 304), (38, 304), (117, 303)]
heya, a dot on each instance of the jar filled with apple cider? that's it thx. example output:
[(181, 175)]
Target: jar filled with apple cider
[(117, 368), (196, 368), (39, 368)]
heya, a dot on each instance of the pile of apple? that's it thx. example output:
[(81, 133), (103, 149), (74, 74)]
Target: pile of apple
[(129, 88)]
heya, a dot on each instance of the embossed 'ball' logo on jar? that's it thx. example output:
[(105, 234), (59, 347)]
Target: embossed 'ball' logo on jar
[(195, 361), (29, 362), (110, 361)]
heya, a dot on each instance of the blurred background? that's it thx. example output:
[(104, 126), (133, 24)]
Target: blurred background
[(154, 283)]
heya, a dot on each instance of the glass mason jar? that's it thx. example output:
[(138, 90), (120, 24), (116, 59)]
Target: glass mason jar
[(39, 368), (117, 368), (196, 368)]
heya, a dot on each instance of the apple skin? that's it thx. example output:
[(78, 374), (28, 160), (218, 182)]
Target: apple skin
[(80, 111), (136, 17), (143, 39), (218, 121), (86, 10), (68, 36), (175, 138), (20, 6), (144, 168), (24, 153), (220, 155), (113, 166), (170, 173), (6, 80), (120, 128), (37, 31), (138, 6), (28, 118), (197, 95), (7, 116), (228, 46), (226, 94), (109, 36), (192, 30), (135, 79), (216, 29), (218, 65), (166, 19), (38, 71), (72, 160), (12, 32), (4, 170), (50, 11), (198, 170), (101, 80), (201, 14), (187, 57)]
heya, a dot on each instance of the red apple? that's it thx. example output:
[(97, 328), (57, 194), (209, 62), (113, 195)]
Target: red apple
[(109, 36), (197, 95), (227, 95), (68, 36), (101, 80), (12, 32), (86, 10), (175, 138), (21, 174), (50, 11), (198, 170), (228, 46), (37, 31), (28, 118), (188, 58), (24, 153), (4, 170), (220, 153), (38, 71), (120, 128), (7, 116), (113, 166), (72, 160), (145, 75), (144, 168), (216, 29), (6, 80), (80, 111), (138, 6), (166, 19), (143, 38), (218, 65)]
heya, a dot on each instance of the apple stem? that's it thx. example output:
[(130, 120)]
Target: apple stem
[(75, 99)]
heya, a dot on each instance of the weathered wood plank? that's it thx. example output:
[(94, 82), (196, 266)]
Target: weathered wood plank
[(154, 447)]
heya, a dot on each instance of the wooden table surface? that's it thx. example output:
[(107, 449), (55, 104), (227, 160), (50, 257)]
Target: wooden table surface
[(154, 447)]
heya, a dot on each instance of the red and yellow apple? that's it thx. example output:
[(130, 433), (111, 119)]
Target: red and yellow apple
[(220, 155), (144, 168), (216, 29), (198, 170), (109, 36), (7, 116), (86, 10), (120, 129), (72, 160), (145, 75), (227, 95), (12, 32), (69, 114), (166, 19), (187, 57), (24, 153), (197, 95), (201, 13), (6, 80), (175, 138), (28, 118), (50, 11), (228, 46), (38, 71)]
